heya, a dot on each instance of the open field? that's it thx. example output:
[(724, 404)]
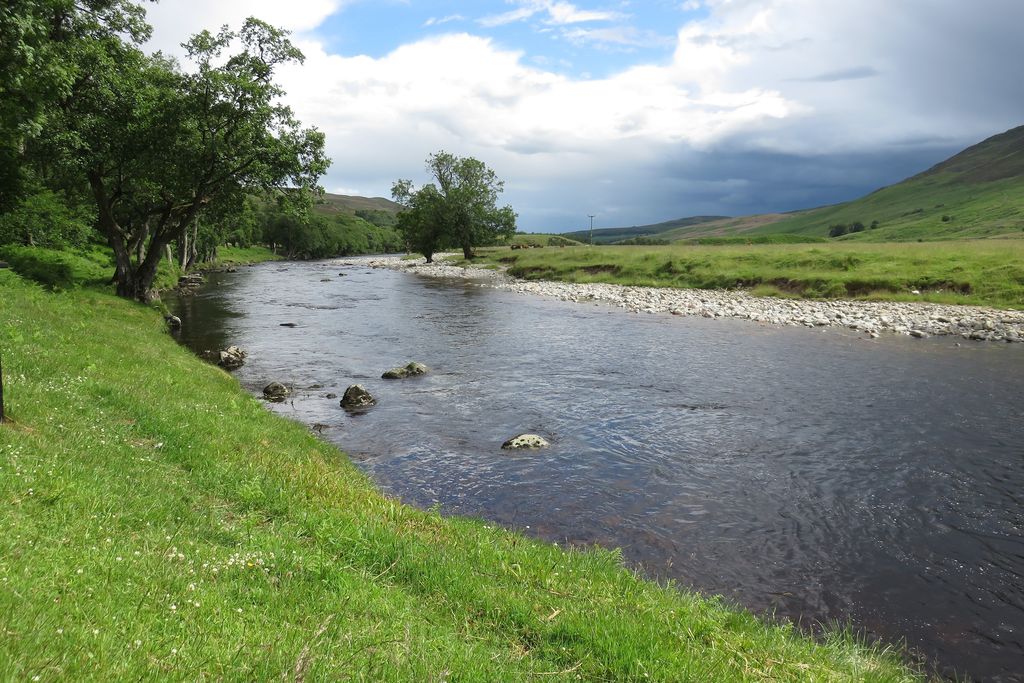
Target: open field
[(159, 523), (982, 272)]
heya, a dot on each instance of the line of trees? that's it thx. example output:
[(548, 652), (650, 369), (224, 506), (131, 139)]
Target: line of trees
[(97, 136)]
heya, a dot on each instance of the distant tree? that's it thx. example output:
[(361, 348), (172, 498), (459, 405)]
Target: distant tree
[(837, 230), (423, 220), (874, 225), (856, 227), (459, 207)]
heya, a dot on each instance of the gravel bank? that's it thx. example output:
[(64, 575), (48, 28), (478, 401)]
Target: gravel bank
[(870, 317)]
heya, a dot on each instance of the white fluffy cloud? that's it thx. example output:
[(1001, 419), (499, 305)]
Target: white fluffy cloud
[(808, 83)]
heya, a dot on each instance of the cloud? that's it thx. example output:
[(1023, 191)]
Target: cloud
[(614, 37), (851, 74), (434, 21), (558, 13), (763, 105)]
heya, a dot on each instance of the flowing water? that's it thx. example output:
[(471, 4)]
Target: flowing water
[(809, 473)]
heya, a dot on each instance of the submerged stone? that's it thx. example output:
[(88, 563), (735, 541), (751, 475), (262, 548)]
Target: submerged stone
[(276, 392), (410, 370)]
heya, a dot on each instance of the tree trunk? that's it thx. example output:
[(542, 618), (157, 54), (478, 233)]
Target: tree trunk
[(467, 251), (183, 249)]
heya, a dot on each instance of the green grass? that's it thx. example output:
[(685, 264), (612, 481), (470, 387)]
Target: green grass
[(90, 266), (986, 272), (159, 524)]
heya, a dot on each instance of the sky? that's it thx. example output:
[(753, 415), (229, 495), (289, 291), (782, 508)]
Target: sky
[(640, 112)]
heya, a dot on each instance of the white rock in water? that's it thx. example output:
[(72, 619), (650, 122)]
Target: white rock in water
[(524, 441)]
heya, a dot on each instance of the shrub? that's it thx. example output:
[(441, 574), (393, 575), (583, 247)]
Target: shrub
[(45, 219), (837, 230)]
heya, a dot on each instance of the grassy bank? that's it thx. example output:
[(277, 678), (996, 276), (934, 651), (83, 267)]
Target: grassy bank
[(159, 523), (241, 256), (985, 272)]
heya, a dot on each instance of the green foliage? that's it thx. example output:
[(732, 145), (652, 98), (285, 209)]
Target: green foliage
[(165, 149), (42, 43), (46, 219), (382, 219), (460, 209), (161, 520), (311, 236)]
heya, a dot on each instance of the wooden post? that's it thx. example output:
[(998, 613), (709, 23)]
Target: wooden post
[(1, 391)]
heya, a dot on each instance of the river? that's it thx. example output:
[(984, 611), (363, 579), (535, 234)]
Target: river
[(808, 473)]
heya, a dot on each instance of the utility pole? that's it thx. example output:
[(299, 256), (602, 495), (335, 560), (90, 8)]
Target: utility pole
[(591, 230)]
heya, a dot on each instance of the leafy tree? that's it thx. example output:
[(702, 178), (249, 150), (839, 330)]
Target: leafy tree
[(837, 230), (459, 208), (422, 222), (159, 147), (42, 44)]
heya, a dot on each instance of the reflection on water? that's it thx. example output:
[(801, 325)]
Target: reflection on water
[(811, 473)]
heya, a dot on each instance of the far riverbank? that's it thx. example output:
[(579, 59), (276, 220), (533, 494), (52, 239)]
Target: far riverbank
[(872, 318)]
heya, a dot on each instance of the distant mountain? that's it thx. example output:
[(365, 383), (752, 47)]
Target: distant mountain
[(342, 203), (612, 235), (977, 193)]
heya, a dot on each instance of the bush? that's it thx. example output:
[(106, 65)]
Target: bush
[(837, 230), (45, 219)]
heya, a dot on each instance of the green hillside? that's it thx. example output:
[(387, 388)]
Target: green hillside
[(611, 235), (978, 193), (342, 203)]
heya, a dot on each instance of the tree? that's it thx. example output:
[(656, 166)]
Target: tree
[(159, 146), (459, 208), (41, 44)]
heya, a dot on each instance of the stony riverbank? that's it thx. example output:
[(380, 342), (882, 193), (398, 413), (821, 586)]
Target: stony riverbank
[(872, 318)]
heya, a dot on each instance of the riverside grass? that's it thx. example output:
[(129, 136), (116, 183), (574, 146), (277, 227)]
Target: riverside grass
[(977, 272), (159, 524)]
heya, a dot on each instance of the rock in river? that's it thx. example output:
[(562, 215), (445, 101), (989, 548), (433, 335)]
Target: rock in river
[(231, 358), (525, 441), (410, 370), (276, 392), (357, 397)]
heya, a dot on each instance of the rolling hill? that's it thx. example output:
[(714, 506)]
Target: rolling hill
[(978, 193), (341, 203)]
